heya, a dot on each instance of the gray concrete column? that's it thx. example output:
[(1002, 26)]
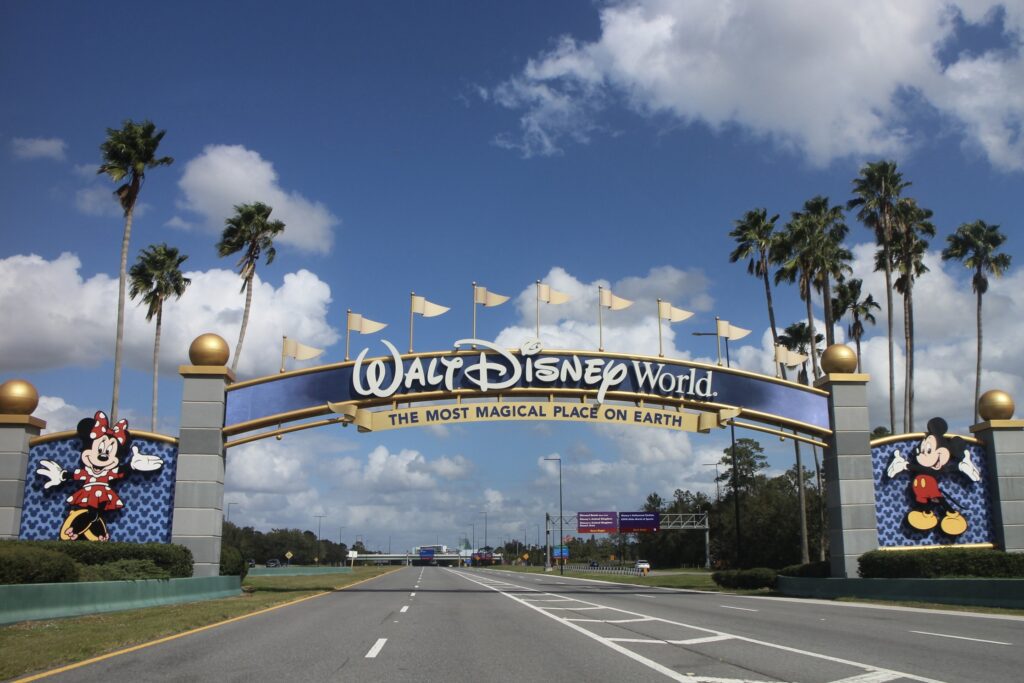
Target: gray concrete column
[(849, 484), (199, 487), (18, 399), (1004, 446)]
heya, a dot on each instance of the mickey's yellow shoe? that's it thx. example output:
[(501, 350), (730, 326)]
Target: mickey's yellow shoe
[(922, 521), (953, 524)]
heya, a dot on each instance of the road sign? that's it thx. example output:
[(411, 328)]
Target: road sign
[(426, 553), (639, 522), (288, 554), (560, 552), (353, 554), (597, 522)]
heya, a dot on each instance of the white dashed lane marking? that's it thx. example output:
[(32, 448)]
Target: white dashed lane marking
[(405, 609), (745, 609), (377, 647), (976, 640)]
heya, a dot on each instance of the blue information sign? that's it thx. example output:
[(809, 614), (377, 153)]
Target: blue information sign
[(560, 552)]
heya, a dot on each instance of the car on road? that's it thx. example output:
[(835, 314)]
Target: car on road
[(642, 564), (273, 563)]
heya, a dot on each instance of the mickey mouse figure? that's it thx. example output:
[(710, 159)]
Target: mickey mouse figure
[(104, 451), (934, 455)]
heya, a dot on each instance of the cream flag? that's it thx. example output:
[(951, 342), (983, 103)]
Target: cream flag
[(731, 332), (790, 359), (615, 303), (667, 311), (357, 323), (551, 296), (425, 308), (482, 296), (298, 350)]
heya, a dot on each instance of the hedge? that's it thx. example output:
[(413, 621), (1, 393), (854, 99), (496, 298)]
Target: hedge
[(759, 577), (941, 562), (176, 560), (122, 570), (231, 562), (26, 564), (811, 570)]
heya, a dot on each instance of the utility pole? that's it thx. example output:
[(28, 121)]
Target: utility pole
[(319, 519), (561, 516)]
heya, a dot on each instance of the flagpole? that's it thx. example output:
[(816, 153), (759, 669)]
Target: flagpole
[(718, 338), (348, 318), (600, 328), (284, 340), (474, 314), (661, 351), (538, 309), (411, 318)]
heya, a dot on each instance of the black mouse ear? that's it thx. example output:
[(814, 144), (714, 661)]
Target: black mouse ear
[(937, 426), (84, 426)]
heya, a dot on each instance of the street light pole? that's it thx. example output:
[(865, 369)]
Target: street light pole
[(561, 530), (484, 513), (319, 520)]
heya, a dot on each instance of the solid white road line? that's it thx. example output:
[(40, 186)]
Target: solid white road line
[(745, 609), (612, 621), (377, 647), (405, 608), (870, 677), (700, 641), (976, 640)]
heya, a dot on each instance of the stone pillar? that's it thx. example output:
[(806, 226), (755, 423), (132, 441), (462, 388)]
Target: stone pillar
[(18, 399), (850, 486), (1004, 446), (199, 488)]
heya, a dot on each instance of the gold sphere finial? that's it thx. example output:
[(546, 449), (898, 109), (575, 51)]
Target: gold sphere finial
[(839, 358), (209, 349), (18, 397), (995, 405)]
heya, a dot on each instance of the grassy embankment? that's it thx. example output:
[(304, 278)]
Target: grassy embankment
[(40, 645), (692, 579)]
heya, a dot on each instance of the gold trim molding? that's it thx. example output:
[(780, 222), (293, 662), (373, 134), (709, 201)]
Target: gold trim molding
[(136, 433), (997, 424), (8, 420), (909, 436)]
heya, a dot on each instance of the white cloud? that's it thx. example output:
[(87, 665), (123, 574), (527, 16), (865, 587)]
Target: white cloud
[(98, 200), (573, 325), (226, 175), (825, 79), (39, 148), (179, 223), (72, 320), (58, 414)]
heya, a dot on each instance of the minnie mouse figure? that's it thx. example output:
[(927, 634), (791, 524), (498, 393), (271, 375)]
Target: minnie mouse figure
[(104, 451), (934, 455)]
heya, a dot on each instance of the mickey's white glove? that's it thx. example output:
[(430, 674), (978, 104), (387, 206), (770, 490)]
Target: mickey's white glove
[(52, 472), (967, 467), (898, 464), (145, 463)]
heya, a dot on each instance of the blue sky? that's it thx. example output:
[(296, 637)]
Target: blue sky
[(415, 146)]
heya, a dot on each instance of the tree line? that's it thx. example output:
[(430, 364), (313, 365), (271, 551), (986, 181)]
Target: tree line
[(275, 544)]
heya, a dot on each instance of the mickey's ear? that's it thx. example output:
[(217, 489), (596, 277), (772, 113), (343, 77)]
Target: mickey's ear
[(937, 426)]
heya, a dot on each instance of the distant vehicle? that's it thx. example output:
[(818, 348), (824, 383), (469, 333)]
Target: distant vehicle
[(642, 564), (252, 562), (273, 563), (593, 564)]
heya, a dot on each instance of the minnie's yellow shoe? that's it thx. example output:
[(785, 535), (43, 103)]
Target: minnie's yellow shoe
[(953, 524), (922, 521), (66, 534)]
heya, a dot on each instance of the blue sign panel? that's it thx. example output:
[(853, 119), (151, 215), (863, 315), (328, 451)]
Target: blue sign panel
[(560, 552), (639, 522), (426, 553), (491, 369)]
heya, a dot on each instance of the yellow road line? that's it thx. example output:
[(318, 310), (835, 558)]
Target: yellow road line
[(133, 648)]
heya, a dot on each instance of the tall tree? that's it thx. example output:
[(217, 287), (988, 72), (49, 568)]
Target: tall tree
[(876, 191), (908, 250), (848, 300), (832, 259), (251, 232), (157, 276), (975, 245), (127, 153), (755, 238)]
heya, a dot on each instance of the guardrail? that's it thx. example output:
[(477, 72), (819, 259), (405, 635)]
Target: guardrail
[(604, 569)]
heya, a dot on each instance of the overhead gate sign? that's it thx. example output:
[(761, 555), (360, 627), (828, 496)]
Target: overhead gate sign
[(597, 522), (639, 522)]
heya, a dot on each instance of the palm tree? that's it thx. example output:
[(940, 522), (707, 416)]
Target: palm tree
[(252, 232), (908, 250), (877, 190), (847, 300), (157, 276), (127, 153), (831, 257), (975, 245), (755, 238)]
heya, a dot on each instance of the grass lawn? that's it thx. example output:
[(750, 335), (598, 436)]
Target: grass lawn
[(40, 645), (692, 579)]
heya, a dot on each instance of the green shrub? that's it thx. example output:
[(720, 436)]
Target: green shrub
[(176, 560), (940, 562), (19, 564), (231, 562), (122, 570), (811, 570), (749, 579)]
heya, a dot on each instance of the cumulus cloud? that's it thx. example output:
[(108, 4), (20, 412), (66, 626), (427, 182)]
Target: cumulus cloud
[(573, 325), (63, 301), (826, 79), (39, 148), (97, 200), (226, 175)]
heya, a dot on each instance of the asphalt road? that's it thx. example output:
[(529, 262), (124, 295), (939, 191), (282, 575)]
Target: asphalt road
[(437, 624)]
